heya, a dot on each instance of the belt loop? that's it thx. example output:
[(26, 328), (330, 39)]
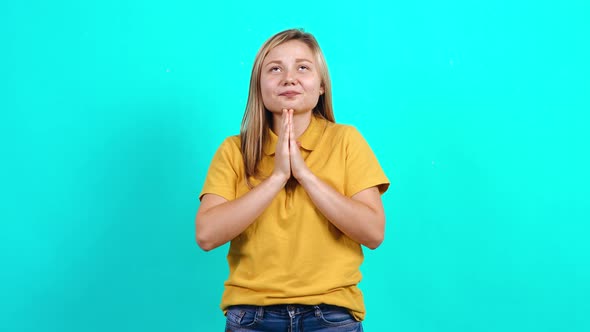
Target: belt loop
[(318, 311), (260, 313)]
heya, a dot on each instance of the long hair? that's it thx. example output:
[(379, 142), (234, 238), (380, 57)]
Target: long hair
[(257, 119)]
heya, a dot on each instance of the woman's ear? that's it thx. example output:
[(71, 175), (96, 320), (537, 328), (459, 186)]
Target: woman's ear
[(321, 90)]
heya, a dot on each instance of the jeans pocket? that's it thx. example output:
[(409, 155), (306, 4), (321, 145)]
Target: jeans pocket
[(240, 316), (336, 316)]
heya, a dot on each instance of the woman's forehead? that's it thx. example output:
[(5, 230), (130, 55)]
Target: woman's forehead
[(291, 50)]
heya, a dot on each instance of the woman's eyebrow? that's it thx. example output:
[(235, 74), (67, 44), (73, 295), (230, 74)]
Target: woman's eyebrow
[(279, 62)]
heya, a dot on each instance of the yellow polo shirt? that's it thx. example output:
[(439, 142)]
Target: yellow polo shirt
[(292, 253)]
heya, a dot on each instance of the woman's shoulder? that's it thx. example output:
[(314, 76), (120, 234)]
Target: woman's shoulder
[(341, 130), (231, 142), (230, 147)]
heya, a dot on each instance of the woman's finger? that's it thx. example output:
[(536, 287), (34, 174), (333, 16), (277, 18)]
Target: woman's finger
[(293, 147), (285, 142), (282, 131), (282, 163), (291, 129)]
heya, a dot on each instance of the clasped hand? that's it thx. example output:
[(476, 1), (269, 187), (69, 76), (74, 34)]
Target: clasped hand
[(288, 159)]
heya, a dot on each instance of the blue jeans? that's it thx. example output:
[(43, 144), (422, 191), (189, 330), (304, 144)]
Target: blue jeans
[(290, 318)]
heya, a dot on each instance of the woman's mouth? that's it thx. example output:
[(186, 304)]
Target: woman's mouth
[(289, 94)]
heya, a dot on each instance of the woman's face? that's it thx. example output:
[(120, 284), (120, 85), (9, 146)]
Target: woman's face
[(290, 78)]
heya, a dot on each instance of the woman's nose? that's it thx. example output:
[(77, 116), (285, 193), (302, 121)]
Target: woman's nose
[(289, 78)]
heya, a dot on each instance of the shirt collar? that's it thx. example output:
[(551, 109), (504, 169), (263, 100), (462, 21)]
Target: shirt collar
[(309, 140)]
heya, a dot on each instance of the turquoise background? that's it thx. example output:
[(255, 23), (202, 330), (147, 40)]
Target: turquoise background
[(477, 110)]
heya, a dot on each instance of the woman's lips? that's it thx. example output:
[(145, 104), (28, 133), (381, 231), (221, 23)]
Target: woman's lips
[(289, 93)]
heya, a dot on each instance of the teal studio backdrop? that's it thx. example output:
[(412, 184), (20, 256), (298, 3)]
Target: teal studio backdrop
[(477, 110)]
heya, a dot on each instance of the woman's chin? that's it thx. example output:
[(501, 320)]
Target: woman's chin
[(296, 110)]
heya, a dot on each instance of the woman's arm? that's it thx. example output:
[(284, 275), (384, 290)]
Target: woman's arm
[(219, 220), (360, 217)]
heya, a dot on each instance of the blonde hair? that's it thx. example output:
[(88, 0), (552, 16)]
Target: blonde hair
[(257, 119)]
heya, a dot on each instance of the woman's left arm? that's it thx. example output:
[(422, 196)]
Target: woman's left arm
[(360, 217)]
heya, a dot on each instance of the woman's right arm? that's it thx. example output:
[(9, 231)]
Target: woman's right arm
[(219, 220)]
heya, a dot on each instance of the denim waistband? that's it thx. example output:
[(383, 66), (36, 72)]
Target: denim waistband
[(288, 309)]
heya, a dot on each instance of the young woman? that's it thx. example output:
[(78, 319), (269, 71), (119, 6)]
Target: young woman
[(297, 195)]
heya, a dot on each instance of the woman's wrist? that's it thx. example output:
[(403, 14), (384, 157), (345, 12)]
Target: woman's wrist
[(306, 179), (278, 180)]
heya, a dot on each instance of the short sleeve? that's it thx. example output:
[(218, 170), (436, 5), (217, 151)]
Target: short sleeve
[(223, 171), (362, 167)]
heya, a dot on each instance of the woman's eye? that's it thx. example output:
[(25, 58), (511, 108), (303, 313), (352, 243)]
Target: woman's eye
[(275, 69), (303, 67)]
